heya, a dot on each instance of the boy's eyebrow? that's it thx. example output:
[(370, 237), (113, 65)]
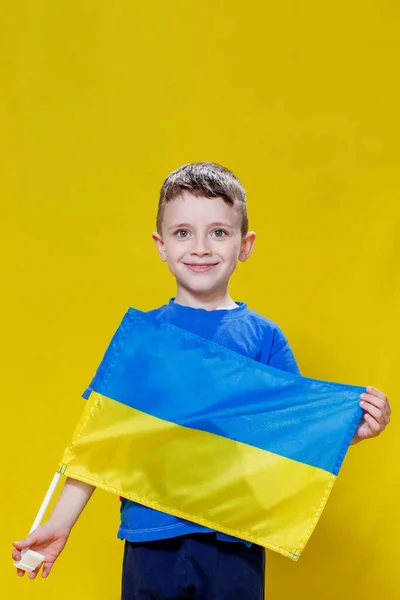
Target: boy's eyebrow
[(178, 226), (183, 225), (227, 225)]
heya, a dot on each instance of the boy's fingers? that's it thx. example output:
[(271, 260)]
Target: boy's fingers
[(18, 545), (16, 555), (375, 392), (379, 405), (28, 541), (372, 410), (46, 569), (34, 573), (374, 400), (374, 425)]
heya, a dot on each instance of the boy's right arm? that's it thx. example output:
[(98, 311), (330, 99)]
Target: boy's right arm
[(50, 538)]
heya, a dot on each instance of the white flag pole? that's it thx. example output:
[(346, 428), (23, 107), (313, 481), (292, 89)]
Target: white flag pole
[(29, 558)]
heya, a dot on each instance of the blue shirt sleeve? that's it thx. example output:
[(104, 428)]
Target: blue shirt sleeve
[(281, 356)]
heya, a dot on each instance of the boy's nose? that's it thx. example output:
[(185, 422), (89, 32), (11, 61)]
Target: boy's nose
[(200, 248)]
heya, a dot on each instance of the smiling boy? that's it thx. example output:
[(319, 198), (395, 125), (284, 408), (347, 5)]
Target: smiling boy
[(202, 233)]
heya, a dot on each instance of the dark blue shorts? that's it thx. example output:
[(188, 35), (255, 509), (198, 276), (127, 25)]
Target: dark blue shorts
[(195, 567)]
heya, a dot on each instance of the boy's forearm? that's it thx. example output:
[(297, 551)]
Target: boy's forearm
[(73, 499)]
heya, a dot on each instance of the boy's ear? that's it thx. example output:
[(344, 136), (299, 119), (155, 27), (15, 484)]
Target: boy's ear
[(248, 242), (159, 245)]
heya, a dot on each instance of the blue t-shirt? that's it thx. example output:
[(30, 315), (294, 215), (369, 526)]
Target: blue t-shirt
[(238, 329)]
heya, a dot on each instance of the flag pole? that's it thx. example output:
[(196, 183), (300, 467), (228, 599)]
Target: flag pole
[(29, 558), (46, 502)]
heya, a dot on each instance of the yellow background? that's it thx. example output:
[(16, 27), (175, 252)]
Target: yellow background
[(99, 102)]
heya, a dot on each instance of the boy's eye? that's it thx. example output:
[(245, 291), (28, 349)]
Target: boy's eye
[(182, 233), (219, 233)]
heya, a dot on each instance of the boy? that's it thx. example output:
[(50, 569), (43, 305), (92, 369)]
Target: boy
[(202, 232)]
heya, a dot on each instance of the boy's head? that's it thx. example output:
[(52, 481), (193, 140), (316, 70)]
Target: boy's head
[(202, 227), (207, 180)]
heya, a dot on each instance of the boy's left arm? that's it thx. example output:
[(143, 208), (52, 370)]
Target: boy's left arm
[(376, 415)]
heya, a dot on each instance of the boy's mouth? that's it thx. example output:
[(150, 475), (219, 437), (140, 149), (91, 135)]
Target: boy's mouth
[(200, 267)]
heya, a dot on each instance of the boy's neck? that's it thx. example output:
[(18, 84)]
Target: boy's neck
[(208, 301)]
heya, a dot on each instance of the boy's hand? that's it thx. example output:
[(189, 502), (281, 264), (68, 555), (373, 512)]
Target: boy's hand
[(47, 540), (376, 415)]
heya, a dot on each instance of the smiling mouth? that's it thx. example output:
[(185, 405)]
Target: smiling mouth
[(200, 268)]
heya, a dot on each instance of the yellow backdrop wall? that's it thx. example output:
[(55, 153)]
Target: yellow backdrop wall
[(99, 102)]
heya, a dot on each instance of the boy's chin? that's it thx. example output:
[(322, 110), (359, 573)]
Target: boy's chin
[(201, 288)]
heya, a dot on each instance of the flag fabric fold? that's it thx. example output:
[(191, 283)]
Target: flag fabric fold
[(185, 426)]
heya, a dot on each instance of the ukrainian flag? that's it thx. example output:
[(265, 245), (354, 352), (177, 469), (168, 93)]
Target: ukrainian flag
[(185, 426)]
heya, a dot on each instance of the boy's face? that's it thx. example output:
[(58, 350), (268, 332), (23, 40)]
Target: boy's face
[(201, 241)]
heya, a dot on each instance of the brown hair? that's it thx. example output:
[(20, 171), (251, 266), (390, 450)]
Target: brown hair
[(204, 179)]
